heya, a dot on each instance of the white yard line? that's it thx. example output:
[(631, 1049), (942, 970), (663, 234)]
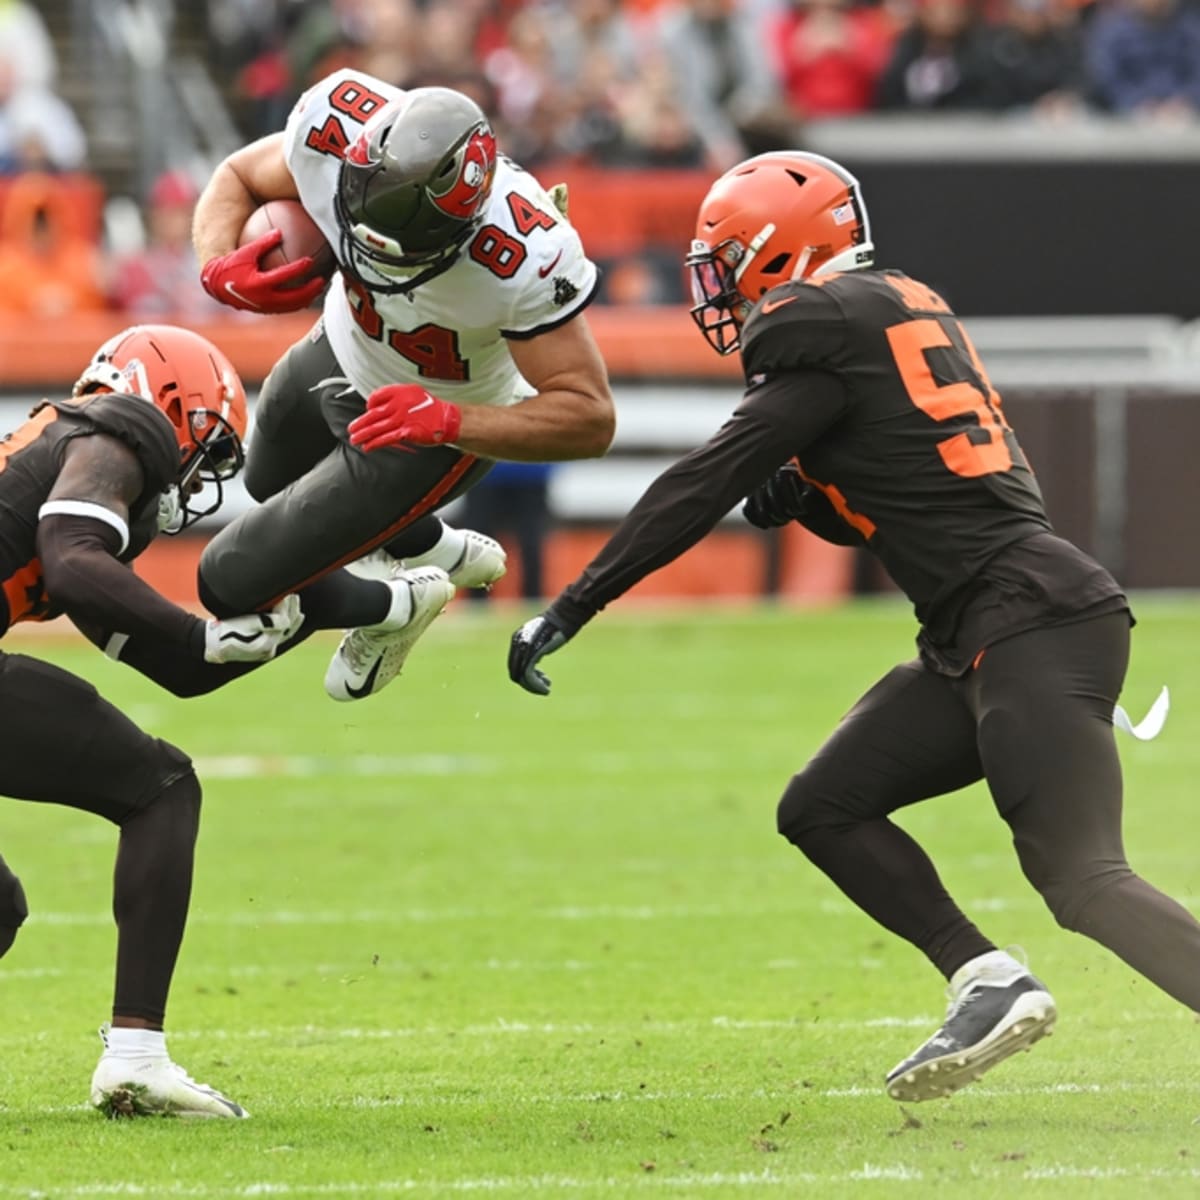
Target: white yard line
[(506, 1027), (566, 912), (439, 1099), (647, 1181), (510, 1028)]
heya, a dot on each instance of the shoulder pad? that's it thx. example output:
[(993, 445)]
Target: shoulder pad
[(794, 325), (137, 423)]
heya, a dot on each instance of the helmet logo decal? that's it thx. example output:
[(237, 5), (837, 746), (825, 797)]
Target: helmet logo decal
[(844, 214), (130, 380), (359, 150), (477, 164)]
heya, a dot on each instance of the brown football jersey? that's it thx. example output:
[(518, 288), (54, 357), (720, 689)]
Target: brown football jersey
[(922, 463)]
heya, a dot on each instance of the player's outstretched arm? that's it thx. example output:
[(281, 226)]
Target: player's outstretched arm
[(83, 528)]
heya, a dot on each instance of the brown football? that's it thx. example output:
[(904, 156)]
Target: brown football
[(301, 236)]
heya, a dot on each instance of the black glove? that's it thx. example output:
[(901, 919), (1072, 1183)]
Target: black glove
[(782, 499), (531, 643)]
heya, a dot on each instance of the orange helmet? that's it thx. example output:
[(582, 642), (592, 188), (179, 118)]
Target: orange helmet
[(188, 379), (777, 217)]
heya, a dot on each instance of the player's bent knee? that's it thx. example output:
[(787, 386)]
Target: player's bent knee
[(263, 480), (803, 807), (219, 608), (165, 775), (185, 796), (1065, 902), (1068, 899), (13, 907)]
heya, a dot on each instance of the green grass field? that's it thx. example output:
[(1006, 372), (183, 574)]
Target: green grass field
[(458, 939)]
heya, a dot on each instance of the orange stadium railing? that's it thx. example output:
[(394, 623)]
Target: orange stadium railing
[(637, 343)]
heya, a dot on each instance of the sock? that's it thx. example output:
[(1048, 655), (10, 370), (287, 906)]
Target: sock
[(136, 1043), (399, 612), (446, 552), (999, 966), (152, 884), (415, 539), (343, 601)]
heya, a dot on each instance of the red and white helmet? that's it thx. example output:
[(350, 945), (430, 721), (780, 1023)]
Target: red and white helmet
[(195, 386), (773, 218)]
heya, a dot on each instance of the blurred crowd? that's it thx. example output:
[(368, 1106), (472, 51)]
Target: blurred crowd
[(667, 84), (706, 82)]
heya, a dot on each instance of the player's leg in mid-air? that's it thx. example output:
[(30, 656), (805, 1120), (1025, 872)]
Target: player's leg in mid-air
[(909, 738), (65, 744), (325, 505), (1045, 701), (301, 416)]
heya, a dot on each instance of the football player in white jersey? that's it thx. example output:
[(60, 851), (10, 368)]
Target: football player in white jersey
[(452, 335)]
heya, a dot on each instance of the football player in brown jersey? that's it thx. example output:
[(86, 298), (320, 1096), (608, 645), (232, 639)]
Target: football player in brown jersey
[(868, 417), (153, 429)]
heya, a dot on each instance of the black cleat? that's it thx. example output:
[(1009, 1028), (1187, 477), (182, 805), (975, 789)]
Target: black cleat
[(985, 1023)]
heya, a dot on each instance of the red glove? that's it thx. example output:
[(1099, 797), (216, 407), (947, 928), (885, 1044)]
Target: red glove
[(405, 412), (237, 279)]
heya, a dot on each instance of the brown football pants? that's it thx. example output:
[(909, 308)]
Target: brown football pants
[(1034, 719)]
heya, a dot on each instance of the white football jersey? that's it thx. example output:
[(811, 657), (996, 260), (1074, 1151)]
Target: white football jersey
[(522, 273)]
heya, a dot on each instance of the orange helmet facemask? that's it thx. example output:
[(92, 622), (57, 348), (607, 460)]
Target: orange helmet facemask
[(774, 218), (195, 386)]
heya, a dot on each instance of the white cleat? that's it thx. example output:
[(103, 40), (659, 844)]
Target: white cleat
[(153, 1086), (378, 564), (368, 659), (483, 561)]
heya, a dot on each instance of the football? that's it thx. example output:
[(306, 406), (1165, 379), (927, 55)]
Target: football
[(301, 236)]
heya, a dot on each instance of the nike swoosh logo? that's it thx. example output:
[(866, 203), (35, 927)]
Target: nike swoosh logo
[(359, 692), (544, 271), (424, 404), (769, 306), (245, 300)]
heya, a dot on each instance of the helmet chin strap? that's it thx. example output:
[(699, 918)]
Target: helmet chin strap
[(375, 280)]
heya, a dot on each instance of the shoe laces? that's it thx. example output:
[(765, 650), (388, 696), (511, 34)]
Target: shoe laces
[(361, 647), (956, 1003), (969, 990)]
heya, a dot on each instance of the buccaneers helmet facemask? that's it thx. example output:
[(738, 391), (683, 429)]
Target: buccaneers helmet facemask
[(413, 187), (778, 217), (196, 387)]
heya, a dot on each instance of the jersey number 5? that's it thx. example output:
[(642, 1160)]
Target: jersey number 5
[(964, 453)]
